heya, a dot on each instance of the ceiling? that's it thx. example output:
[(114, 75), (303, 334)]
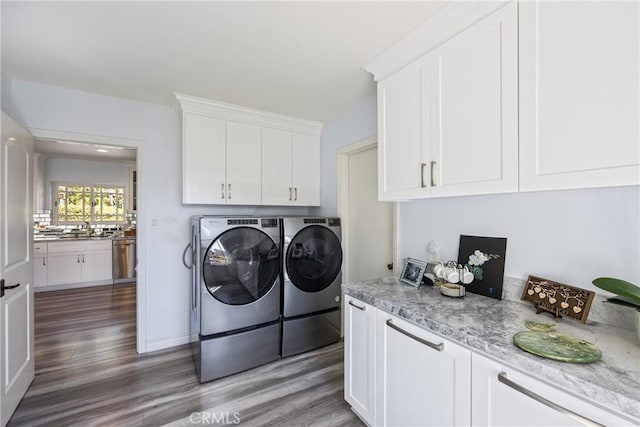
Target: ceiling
[(298, 58)]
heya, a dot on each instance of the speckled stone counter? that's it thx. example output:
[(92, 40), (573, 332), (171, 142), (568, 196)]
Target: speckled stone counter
[(487, 326)]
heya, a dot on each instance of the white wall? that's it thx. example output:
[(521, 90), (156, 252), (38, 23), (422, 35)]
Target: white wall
[(83, 171), (160, 249), (355, 124), (569, 236)]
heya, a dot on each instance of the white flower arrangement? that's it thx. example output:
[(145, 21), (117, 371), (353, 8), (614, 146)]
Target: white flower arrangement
[(476, 259)]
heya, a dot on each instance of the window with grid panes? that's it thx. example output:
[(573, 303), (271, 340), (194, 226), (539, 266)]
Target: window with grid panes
[(78, 203)]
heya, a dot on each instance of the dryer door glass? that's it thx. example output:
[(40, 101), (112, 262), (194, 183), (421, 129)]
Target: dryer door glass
[(314, 258), (241, 266)]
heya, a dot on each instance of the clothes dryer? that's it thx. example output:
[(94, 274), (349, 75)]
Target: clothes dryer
[(312, 279), (235, 294)]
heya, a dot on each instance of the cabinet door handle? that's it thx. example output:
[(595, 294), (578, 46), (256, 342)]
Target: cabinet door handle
[(44, 260), (222, 190), (83, 258), (422, 166), (229, 192), (433, 165), (502, 377), (295, 192), (434, 346), (357, 306), (78, 259), (290, 194)]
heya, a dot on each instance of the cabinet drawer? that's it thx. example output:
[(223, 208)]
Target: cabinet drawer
[(57, 247)]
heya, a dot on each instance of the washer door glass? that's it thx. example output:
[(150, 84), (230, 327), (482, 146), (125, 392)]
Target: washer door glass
[(314, 258), (241, 266)]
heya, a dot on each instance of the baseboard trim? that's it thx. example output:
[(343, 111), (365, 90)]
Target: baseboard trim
[(161, 344)]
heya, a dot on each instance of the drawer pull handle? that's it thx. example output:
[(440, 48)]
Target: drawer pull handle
[(502, 377), (434, 346), (357, 306)]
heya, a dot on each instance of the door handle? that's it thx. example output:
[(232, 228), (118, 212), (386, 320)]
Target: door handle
[(390, 266), (3, 287), (434, 346), (502, 377)]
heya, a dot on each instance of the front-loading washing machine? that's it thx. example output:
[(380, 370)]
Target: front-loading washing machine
[(235, 294), (312, 279)]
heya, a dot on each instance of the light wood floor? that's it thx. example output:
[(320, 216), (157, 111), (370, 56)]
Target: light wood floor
[(88, 373)]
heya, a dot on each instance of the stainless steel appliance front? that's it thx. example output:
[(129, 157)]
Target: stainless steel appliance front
[(312, 276), (123, 255), (235, 295)]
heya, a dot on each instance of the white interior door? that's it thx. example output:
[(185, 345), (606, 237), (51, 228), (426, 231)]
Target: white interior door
[(370, 222), (16, 297)]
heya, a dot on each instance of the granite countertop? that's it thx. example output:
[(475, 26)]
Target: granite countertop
[(487, 326), (58, 238)]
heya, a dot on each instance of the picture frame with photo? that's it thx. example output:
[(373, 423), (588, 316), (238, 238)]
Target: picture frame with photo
[(413, 271)]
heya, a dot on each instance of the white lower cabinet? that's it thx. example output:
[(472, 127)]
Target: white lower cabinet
[(39, 264), (72, 263), (505, 397), (359, 357), (399, 374), (421, 378)]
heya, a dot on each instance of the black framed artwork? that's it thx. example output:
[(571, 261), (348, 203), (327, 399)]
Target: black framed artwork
[(485, 257)]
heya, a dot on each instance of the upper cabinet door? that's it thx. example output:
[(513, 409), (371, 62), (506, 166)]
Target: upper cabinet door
[(579, 102), (306, 170), (276, 167), (244, 164), (400, 143), (473, 105), (203, 163)]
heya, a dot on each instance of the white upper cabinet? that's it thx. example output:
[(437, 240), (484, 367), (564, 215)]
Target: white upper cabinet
[(579, 89), (447, 122), (305, 170), (276, 167), (239, 156), (244, 161), (472, 90), (401, 149), (203, 155)]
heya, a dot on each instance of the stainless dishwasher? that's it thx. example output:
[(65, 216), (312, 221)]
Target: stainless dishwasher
[(124, 259)]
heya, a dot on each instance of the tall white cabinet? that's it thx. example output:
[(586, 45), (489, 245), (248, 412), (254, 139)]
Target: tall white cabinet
[(579, 94), (234, 155)]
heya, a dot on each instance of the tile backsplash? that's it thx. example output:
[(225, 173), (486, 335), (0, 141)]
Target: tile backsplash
[(44, 218)]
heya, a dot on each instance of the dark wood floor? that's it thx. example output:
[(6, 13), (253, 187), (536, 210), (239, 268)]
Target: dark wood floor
[(88, 373)]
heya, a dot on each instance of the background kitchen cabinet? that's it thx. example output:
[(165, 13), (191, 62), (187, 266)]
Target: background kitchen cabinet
[(74, 263), (290, 168), (579, 94), (472, 93), (401, 149), (203, 159), (359, 357), (422, 379), (39, 264), (497, 403), (447, 123), (133, 190)]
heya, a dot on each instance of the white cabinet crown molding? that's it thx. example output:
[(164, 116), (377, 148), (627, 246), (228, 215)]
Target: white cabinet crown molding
[(221, 110), (443, 25)]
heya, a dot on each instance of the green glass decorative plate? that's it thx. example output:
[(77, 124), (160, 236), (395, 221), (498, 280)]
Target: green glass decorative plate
[(540, 327), (553, 345)]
